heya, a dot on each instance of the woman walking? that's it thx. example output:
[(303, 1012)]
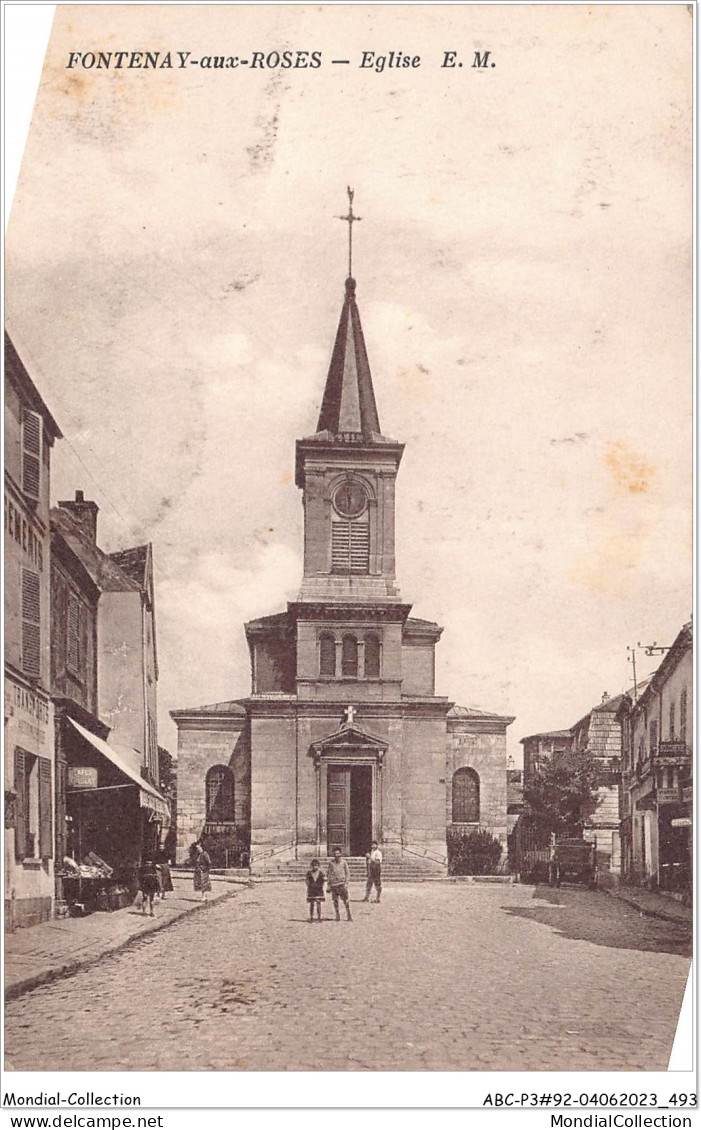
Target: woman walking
[(201, 879)]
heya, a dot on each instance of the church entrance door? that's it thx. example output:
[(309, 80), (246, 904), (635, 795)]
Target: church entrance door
[(349, 808)]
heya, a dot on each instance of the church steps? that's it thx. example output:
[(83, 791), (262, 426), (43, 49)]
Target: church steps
[(395, 869)]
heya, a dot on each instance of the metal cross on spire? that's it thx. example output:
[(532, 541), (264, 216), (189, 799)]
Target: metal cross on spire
[(350, 219)]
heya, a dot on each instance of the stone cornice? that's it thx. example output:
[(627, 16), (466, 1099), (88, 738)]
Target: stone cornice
[(328, 611), (201, 720), (486, 724)]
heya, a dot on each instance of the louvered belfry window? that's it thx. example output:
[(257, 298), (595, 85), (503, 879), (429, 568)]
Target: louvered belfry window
[(31, 454), (31, 623), (350, 547)]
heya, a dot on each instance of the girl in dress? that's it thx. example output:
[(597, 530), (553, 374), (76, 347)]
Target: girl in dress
[(315, 880)]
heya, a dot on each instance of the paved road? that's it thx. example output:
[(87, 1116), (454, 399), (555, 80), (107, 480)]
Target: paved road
[(439, 976)]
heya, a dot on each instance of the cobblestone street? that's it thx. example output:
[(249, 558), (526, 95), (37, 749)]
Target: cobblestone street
[(439, 976)]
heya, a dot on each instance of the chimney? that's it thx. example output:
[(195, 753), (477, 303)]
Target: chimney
[(605, 697), (85, 514)]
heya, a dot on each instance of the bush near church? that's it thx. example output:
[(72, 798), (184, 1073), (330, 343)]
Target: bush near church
[(473, 853)]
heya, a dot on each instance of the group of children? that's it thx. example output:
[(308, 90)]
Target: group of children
[(338, 880)]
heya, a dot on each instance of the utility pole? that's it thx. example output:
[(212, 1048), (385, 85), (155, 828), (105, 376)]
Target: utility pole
[(631, 659), (650, 649)]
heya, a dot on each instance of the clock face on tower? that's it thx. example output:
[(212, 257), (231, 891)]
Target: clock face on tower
[(350, 499)]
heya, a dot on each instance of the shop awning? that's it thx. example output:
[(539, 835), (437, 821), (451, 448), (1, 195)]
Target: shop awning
[(149, 796)]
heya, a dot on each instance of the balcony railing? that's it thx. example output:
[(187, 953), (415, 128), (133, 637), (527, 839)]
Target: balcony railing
[(676, 750)]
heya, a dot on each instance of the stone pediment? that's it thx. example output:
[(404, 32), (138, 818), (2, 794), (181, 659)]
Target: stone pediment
[(349, 742)]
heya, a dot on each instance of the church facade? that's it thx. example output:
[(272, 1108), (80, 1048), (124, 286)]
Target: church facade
[(343, 738)]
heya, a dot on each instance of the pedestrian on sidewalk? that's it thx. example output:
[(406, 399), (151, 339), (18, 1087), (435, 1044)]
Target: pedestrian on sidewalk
[(201, 879), (339, 878), (166, 878), (373, 861), (315, 880), (148, 881)]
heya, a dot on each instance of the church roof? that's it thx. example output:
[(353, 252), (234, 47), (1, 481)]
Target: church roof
[(474, 712), (348, 406), (231, 706)]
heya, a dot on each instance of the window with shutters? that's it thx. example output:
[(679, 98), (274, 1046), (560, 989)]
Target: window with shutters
[(33, 807), (219, 795), (45, 809), (327, 655), (466, 797), (31, 454), (73, 641), (350, 547), (682, 716), (672, 720), (31, 623), (372, 656), (653, 737), (349, 657)]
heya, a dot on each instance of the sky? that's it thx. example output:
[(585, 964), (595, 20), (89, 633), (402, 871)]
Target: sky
[(174, 279)]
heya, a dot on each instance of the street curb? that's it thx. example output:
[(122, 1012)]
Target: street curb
[(644, 910), (47, 976)]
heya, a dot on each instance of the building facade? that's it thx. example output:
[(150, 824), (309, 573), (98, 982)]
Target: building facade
[(657, 773), (596, 736), (539, 748), (104, 672), (343, 738), (30, 432)]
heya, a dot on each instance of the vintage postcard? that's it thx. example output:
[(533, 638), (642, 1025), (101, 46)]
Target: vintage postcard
[(348, 583)]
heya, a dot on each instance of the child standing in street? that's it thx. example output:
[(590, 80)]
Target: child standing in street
[(339, 878), (315, 879), (148, 881)]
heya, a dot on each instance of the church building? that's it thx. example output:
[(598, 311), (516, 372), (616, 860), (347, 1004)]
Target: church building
[(343, 738)]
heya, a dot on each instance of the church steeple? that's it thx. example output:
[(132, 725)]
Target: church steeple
[(347, 471), (348, 408)]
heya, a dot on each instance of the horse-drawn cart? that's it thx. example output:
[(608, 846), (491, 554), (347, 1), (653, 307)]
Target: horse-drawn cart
[(572, 861)]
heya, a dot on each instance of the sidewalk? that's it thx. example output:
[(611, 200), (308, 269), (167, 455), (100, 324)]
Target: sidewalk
[(39, 954), (652, 903)]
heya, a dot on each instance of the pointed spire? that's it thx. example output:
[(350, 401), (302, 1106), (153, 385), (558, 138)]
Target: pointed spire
[(348, 408)]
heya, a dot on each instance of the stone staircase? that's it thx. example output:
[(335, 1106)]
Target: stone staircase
[(397, 867)]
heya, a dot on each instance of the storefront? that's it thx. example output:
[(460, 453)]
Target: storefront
[(29, 845), (114, 817)]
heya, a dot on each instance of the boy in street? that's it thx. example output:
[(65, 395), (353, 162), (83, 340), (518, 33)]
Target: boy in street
[(374, 865), (339, 878)]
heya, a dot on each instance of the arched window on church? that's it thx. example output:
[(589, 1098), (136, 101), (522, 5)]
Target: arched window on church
[(372, 656), (219, 795), (327, 655), (466, 797), (349, 657)]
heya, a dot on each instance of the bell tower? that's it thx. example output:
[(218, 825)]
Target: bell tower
[(347, 471)]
